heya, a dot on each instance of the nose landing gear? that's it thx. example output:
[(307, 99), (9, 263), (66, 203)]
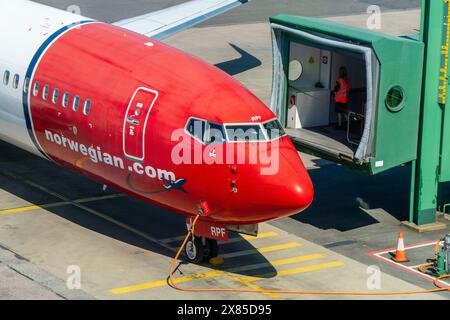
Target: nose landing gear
[(201, 249), (201, 246)]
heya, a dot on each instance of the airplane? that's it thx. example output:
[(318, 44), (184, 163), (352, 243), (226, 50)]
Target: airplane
[(112, 102)]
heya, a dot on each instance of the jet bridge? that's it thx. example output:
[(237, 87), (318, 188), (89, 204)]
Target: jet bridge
[(384, 99)]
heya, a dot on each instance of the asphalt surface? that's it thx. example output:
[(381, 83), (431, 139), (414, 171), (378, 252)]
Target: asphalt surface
[(255, 11), (123, 247)]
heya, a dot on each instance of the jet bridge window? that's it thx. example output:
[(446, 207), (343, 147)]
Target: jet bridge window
[(245, 133), (395, 98), (6, 77), (16, 81)]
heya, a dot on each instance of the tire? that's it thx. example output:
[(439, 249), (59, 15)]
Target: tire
[(194, 250), (211, 249)]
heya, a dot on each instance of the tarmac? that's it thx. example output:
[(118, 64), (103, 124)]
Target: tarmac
[(53, 221), (255, 11)]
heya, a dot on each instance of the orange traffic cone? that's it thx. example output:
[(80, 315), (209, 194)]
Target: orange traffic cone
[(400, 254)]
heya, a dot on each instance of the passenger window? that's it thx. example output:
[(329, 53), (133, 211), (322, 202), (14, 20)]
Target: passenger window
[(65, 99), (16, 81), (196, 128), (36, 88), (6, 78), (26, 85), (76, 103), (87, 107), (55, 96), (45, 92)]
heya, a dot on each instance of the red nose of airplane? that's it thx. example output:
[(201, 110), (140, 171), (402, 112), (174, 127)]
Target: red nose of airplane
[(290, 190), (273, 191)]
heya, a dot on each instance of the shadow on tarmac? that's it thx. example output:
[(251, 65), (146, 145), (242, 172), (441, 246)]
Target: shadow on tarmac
[(343, 197), (242, 64), (157, 223)]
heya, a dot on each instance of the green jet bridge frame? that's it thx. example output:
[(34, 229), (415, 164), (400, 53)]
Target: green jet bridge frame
[(397, 112)]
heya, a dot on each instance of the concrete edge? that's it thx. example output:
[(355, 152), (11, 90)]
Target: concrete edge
[(426, 227)]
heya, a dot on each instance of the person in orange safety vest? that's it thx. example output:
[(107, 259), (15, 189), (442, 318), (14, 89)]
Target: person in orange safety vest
[(341, 92)]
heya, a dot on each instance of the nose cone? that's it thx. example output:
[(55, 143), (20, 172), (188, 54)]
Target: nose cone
[(291, 188), (295, 196), (286, 189)]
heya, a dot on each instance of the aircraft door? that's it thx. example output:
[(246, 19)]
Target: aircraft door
[(136, 121)]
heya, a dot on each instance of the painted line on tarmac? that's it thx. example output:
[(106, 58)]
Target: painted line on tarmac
[(378, 255), (59, 204), (253, 286), (249, 280), (297, 259), (92, 211), (290, 272), (276, 263), (34, 207), (214, 274), (233, 240), (408, 247)]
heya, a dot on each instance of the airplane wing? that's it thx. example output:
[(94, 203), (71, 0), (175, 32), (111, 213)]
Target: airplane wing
[(164, 23)]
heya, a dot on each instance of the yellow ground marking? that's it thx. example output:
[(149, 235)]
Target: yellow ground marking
[(214, 273), (289, 272), (59, 204), (260, 236), (34, 207), (327, 265), (289, 245), (87, 209), (255, 287), (297, 259), (263, 235), (279, 247), (160, 283)]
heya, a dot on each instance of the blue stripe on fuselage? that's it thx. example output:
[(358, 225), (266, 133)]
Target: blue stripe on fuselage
[(30, 72)]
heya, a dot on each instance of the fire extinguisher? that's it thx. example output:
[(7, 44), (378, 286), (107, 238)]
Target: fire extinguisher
[(443, 257)]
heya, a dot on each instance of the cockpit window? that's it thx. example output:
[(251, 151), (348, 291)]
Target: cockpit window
[(245, 133), (206, 132), (196, 128), (214, 134), (274, 129)]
